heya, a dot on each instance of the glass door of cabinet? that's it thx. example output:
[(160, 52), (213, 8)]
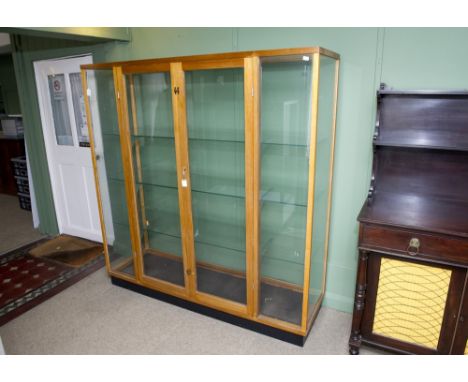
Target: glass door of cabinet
[(106, 143), (285, 132), (151, 134), (214, 99), (323, 174)]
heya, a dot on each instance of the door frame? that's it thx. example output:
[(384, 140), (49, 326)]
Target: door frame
[(42, 98)]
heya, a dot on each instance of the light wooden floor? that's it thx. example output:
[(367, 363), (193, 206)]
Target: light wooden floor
[(16, 227)]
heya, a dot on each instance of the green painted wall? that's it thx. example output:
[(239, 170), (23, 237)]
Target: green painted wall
[(403, 58), (8, 85), (427, 58)]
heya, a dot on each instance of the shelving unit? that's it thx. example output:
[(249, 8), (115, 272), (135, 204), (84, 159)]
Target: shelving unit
[(214, 176), (411, 292)]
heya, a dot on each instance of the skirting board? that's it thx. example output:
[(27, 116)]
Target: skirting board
[(282, 335)]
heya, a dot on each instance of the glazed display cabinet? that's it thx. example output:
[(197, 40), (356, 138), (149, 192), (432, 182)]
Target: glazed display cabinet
[(214, 181)]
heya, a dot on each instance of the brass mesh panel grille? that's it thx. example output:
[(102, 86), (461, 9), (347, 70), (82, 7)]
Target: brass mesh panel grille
[(410, 302)]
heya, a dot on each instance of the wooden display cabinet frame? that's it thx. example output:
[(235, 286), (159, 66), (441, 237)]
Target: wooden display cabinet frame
[(245, 315)]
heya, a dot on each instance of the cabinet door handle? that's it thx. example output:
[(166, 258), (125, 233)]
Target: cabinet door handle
[(413, 246)]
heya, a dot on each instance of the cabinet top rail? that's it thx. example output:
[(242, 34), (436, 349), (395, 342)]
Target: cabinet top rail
[(219, 56)]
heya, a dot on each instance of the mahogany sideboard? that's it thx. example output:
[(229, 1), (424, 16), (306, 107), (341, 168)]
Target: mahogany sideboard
[(412, 286)]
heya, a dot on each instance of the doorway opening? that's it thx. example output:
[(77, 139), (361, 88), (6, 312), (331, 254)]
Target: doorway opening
[(65, 131), (17, 200)]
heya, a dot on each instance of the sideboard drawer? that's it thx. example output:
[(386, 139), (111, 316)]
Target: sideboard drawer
[(418, 245)]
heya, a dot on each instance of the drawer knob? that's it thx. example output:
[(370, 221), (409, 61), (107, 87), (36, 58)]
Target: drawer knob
[(413, 246)]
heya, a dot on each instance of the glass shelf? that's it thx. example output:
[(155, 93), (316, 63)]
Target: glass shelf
[(171, 137), (136, 136), (266, 144), (236, 196), (208, 253), (219, 232), (267, 196)]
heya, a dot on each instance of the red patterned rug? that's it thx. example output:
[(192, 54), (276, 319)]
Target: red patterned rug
[(26, 281)]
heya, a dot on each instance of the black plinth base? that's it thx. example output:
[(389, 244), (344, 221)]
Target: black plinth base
[(282, 335)]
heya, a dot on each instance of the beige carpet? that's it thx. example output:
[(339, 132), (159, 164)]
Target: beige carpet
[(17, 227), (95, 317)]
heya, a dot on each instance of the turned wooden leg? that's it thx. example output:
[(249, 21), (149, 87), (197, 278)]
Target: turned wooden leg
[(353, 350), (359, 303)]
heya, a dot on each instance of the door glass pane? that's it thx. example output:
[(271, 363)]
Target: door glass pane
[(59, 102), (322, 178), (153, 149), (285, 129), (215, 122), (110, 170), (79, 109)]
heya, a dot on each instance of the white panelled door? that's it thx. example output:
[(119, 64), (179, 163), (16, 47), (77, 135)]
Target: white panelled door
[(65, 130)]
